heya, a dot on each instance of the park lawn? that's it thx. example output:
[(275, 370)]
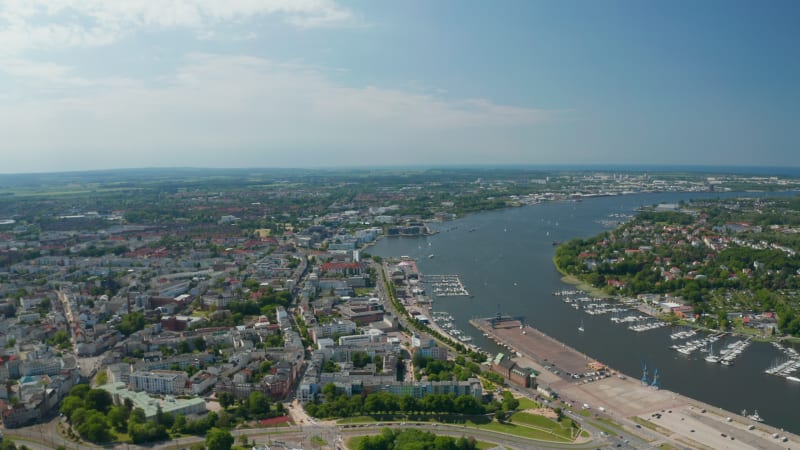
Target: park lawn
[(354, 441), (526, 403), (120, 437), (521, 431), (563, 428), (357, 419), (584, 286)]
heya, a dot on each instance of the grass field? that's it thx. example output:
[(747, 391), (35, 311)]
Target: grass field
[(359, 419), (561, 429), (522, 424), (522, 431), (526, 403), (586, 287)]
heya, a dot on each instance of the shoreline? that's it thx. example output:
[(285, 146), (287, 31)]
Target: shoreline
[(627, 400), (597, 292)]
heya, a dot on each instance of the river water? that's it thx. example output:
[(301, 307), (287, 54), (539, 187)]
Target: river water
[(504, 259)]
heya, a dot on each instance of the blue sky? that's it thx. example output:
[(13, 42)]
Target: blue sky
[(96, 84)]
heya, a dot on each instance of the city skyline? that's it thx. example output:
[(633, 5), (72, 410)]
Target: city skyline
[(103, 85)]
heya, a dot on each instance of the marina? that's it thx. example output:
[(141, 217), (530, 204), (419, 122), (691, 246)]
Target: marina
[(732, 351), (581, 380), (490, 263), (445, 322), (621, 313), (692, 346), (446, 285), (683, 334), (788, 366)]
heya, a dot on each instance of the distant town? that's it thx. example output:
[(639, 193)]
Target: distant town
[(140, 306), (727, 264)]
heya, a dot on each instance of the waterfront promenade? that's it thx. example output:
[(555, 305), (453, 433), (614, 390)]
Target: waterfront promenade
[(656, 415)]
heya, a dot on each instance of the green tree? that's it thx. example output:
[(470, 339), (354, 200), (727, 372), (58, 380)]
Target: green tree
[(79, 390), (179, 425), (137, 416), (78, 416), (258, 403), (226, 399), (183, 347), (98, 400), (95, 428), (218, 439), (70, 404), (199, 344), (131, 323), (118, 418)]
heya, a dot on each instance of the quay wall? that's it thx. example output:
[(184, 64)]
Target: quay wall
[(622, 395)]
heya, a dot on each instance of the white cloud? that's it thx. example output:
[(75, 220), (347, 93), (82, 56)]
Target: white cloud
[(217, 110), (53, 24), (236, 110)]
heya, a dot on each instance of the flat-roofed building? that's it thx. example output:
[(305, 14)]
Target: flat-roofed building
[(159, 381), (119, 392)]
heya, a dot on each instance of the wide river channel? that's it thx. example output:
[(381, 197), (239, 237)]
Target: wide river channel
[(504, 259)]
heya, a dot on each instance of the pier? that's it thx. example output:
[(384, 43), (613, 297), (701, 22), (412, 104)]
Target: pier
[(446, 285), (786, 368), (683, 421)]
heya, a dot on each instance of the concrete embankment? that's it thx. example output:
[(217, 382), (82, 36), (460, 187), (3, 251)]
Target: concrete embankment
[(663, 414)]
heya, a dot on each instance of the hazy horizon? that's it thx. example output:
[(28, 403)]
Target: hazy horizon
[(791, 171), (97, 85)]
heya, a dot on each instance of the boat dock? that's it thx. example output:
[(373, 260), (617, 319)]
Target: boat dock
[(729, 354), (621, 312), (446, 285), (680, 420), (786, 368), (446, 324), (692, 346)]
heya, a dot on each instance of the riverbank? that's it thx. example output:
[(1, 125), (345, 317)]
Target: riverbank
[(599, 293), (679, 419), (506, 263), (585, 287)]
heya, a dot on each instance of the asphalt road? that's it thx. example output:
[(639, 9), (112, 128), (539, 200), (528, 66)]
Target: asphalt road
[(45, 437)]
